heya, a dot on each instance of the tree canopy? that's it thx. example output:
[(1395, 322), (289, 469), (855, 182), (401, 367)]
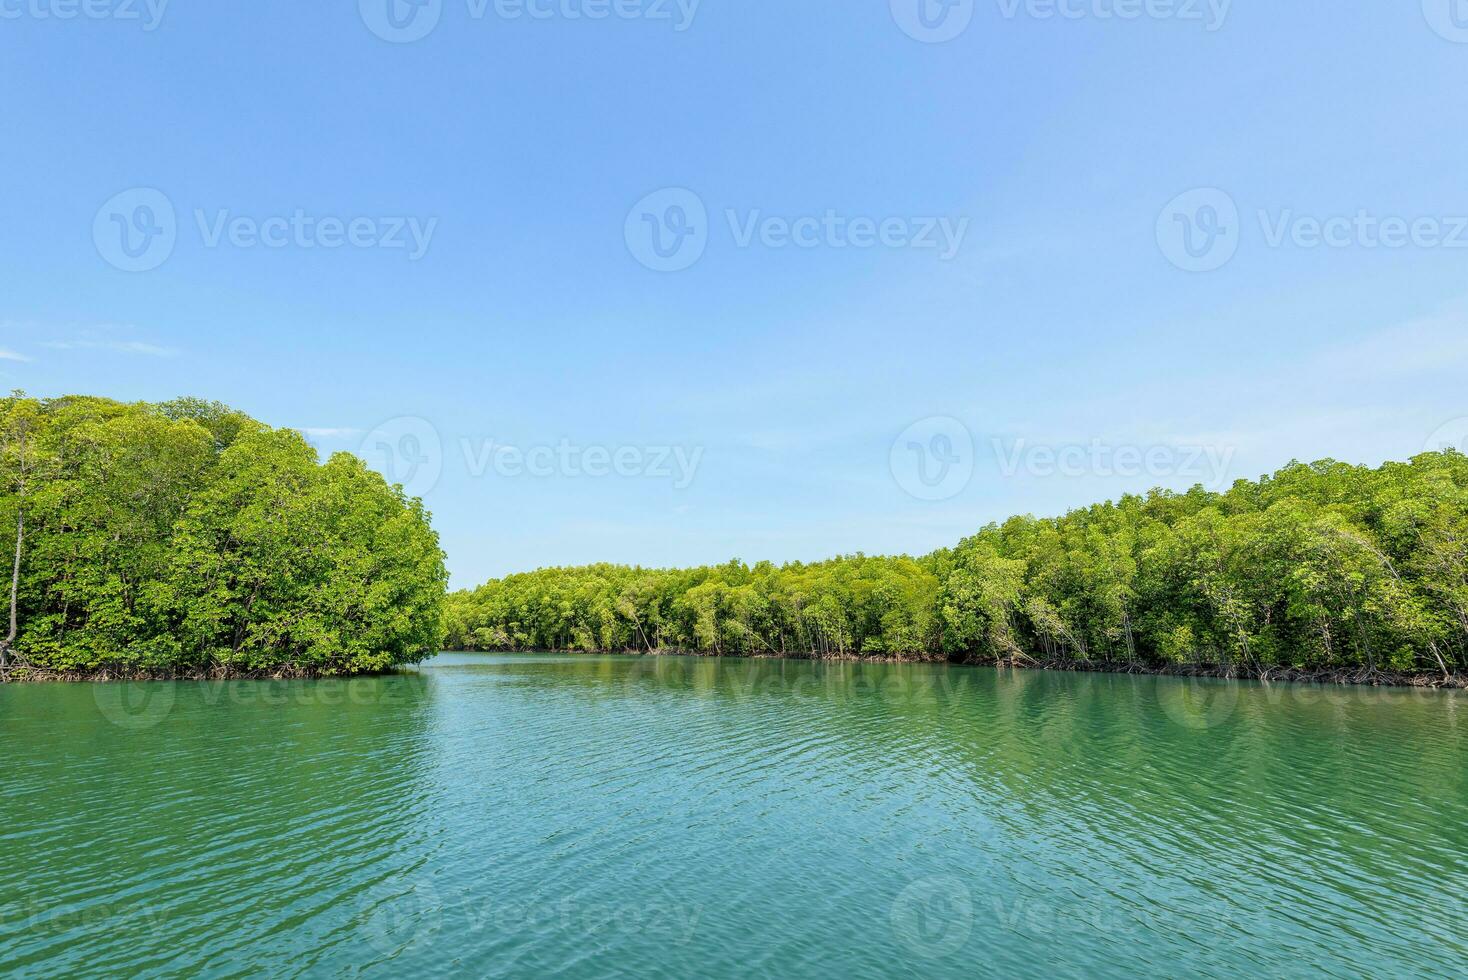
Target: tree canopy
[(187, 538), (1319, 567)]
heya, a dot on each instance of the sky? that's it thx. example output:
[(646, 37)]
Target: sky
[(667, 283)]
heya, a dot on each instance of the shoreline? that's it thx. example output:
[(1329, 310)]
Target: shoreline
[(40, 675), (1290, 675)]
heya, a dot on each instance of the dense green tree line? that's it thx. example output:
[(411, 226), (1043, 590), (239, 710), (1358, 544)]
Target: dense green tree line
[(186, 538), (1322, 567)]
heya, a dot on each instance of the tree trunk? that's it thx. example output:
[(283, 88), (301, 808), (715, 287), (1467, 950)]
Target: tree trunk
[(9, 640)]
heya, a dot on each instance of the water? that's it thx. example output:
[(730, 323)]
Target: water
[(518, 815)]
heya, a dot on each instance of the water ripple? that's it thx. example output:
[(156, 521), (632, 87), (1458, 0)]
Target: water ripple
[(668, 817)]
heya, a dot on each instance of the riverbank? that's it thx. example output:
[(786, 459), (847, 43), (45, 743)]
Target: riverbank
[(23, 674), (1339, 677)]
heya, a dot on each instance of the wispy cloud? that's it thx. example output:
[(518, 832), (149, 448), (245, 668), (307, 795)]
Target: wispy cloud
[(115, 337), (121, 346), (1428, 345), (10, 355)]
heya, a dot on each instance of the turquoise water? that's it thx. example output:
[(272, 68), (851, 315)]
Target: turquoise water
[(586, 816)]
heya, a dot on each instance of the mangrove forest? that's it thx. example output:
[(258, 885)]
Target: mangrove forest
[(186, 539), (1325, 569)]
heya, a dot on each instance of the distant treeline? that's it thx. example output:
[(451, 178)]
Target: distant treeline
[(1320, 568), (185, 539)]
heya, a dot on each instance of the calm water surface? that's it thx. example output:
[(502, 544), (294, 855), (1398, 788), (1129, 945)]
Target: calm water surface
[(524, 815)]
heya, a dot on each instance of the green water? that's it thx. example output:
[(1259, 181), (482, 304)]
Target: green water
[(527, 816)]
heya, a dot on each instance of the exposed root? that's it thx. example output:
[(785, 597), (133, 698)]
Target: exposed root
[(1355, 676), (17, 673)]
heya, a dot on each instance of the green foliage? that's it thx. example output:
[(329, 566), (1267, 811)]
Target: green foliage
[(849, 606), (187, 538), (1318, 567)]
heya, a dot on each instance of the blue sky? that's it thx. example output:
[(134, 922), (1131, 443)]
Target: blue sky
[(860, 390)]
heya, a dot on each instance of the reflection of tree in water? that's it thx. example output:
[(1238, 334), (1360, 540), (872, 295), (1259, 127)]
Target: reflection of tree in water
[(1092, 787), (250, 810)]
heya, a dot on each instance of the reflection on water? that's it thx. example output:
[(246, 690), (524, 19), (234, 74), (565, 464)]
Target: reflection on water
[(680, 816)]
